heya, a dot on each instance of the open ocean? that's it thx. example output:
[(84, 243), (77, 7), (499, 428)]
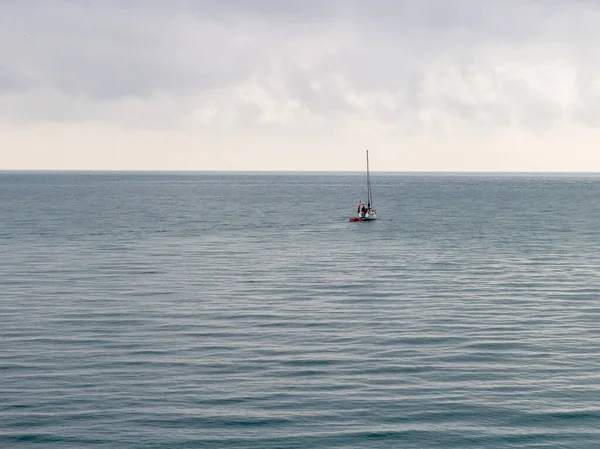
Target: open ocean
[(196, 310)]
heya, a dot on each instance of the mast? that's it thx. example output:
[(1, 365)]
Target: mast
[(369, 193)]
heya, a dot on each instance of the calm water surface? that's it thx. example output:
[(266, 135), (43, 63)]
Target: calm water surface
[(245, 311)]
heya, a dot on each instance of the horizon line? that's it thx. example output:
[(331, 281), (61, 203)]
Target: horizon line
[(416, 172)]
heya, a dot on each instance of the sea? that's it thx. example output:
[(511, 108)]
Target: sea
[(244, 310)]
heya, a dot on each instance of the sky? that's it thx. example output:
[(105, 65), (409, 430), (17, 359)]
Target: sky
[(425, 85)]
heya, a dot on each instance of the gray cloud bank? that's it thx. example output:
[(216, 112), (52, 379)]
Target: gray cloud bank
[(406, 65)]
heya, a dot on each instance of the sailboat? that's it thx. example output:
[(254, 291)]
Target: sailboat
[(366, 212)]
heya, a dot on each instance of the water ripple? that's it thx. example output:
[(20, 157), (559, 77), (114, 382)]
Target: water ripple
[(465, 317)]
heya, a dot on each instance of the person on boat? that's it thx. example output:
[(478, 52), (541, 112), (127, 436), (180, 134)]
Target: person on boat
[(358, 209), (363, 211)]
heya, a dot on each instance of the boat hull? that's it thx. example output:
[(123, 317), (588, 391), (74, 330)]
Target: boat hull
[(369, 217)]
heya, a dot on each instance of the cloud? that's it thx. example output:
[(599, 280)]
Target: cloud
[(271, 69)]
